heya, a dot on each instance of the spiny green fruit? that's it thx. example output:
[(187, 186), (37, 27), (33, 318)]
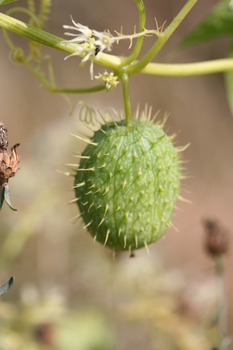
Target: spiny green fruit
[(127, 184)]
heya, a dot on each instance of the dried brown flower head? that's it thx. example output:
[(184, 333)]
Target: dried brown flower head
[(9, 165), (216, 238)]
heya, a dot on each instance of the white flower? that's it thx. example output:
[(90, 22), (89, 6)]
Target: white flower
[(91, 42), (103, 41), (87, 50), (85, 35)]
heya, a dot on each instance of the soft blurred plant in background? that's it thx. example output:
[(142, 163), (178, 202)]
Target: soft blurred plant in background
[(101, 303), (112, 302)]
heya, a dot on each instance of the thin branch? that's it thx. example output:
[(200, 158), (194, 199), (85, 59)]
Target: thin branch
[(162, 39)]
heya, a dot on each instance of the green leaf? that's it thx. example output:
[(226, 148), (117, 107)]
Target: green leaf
[(7, 197), (228, 78), (4, 287), (5, 2), (2, 193), (219, 22)]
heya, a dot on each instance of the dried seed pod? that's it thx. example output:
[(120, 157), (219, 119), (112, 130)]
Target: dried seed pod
[(9, 163)]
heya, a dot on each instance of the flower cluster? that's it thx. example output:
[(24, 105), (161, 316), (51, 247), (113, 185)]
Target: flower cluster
[(109, 79), (91, 42)]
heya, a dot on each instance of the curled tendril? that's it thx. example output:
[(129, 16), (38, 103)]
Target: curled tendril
[(87, 114), (33, 59)]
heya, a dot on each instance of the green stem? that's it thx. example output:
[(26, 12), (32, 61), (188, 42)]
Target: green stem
[(222, 312), (125, 86), (24, 11), (52, 88), (50, 71), (36, 34), (115, 62), (139, 42), (6, 2), (78, 90), (162, 39), (190, 69), (2, 192)]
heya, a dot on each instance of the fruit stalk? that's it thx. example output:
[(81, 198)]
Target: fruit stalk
[(126, 97)]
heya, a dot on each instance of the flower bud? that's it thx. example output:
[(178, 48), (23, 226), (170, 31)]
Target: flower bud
[(216, 238)]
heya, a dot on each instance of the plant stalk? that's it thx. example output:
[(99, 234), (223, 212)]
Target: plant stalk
[(50, 86), (115, 62), (162, 39), (125, 86), (139, 42), (189, 69), (222, 309)]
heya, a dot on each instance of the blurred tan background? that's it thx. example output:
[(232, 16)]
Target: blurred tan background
[(43, 247)]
